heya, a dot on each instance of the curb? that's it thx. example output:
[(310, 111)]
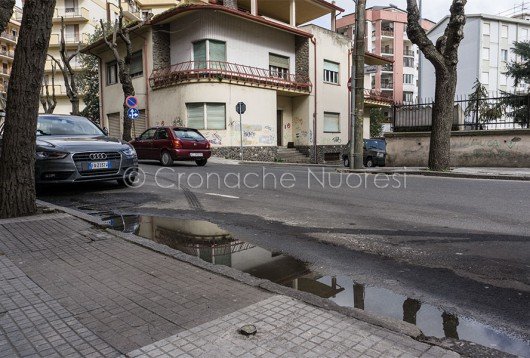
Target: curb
[(282, 164), (438, 174)]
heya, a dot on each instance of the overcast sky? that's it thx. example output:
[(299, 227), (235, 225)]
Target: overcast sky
[(435, 10)]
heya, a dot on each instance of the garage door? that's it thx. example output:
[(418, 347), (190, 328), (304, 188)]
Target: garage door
[(115, 125), (140, 124)]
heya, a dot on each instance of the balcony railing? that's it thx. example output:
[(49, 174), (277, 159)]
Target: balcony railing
[(387, 50), (408, 53), (8, 36), (231, 72), (378, 96), (387, 68), (69, 39), (387, 33), (7, 53), (72, 13), (387, 85)]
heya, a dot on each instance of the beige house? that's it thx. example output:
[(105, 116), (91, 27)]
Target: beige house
[(8, 42), (194, 63)]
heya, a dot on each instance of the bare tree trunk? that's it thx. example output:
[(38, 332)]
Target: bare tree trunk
[(359, 83), (17, 163), (6, 11), (49, 101), (444, 58), (128, 90)]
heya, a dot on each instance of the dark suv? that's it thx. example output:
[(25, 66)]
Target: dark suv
[(374, 153)]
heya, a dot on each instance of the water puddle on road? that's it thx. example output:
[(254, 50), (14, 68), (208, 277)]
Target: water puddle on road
[(215, 245)]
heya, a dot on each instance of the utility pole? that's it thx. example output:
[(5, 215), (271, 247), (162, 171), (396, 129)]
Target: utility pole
[(358, 142), (420, 61)]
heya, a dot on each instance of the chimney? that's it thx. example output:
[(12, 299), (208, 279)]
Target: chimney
[(232, 4)]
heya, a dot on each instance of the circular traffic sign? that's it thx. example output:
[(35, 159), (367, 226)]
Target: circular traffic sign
[(131, 102), (133, 113), (349, 84), (241, 108)]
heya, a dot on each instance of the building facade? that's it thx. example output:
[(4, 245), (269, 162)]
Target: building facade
[(386, 36), (195, 63), (8, 42), (484, 54)]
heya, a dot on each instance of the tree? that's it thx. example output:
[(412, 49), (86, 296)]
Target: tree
[(49, 101), (89, 80), (17, 162), (479, 106), (122, 31), (6, 11), (516, 106), (69, 75), (444, 58), (360, 46), (377, 118)]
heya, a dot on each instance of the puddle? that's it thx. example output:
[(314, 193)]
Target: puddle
[(215, 245)]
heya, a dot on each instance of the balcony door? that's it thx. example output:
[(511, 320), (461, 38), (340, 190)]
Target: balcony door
[(70, 6), (209, 54)]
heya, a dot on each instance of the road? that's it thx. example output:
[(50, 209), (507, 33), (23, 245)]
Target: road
[(461, 245)]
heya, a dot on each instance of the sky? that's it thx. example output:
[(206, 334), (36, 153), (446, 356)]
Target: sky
[(435, 10)]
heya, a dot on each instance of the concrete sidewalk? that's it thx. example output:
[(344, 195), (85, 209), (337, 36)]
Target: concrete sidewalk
[(470, 173), (70, 288)]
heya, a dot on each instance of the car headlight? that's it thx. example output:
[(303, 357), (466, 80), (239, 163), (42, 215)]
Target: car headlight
[(129, 152), (49, 154), (380, 155)]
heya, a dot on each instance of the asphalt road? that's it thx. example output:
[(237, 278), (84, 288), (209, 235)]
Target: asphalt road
[(459, 244)]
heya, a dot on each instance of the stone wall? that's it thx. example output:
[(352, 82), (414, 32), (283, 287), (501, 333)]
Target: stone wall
[(302, 58), (324, 152), (259, 154), (491, 148), (161, 46)]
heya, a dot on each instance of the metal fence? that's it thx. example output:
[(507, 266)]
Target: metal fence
[(502, 111)]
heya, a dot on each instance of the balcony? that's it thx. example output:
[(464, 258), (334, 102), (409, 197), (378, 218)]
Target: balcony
[(70, 15), (60, 91), (387, 85), (48, 66), (8, 37), (206, 71), (387, 33), (131, 10), (70, 40), (387, 68), (376, 96), (409, 53), (387, 51), (9, 54)]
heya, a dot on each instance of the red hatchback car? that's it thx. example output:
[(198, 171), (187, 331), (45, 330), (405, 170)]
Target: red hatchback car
[(168, 144)]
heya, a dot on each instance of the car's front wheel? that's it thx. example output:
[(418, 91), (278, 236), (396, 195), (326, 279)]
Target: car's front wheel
[(369, 162), (201, 162), (165, 159)]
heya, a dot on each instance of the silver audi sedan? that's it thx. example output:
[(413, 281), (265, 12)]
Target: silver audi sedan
[(72, 149)]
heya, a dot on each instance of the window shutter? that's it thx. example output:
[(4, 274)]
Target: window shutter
[(216, 114), (217, 51), (136, 67), (331, 66), (199, 54), (278, 61), (195, 115), (331, 122)]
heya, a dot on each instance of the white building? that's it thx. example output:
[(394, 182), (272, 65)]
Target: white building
[(483, 54)]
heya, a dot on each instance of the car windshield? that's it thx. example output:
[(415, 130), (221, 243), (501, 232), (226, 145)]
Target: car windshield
[(188, 134), (376, 144), (67, 125)]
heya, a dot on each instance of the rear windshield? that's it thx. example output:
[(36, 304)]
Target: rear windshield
[(66, 125), (187, 134)]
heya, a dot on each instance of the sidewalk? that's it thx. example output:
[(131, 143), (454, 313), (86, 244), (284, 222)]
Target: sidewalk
[(470, 173), (69, 288)]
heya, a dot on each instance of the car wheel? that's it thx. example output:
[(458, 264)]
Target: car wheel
[(201, 162), (369, 162), (165, 159), (346, 162)]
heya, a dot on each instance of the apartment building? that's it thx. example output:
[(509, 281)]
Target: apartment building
[(196, 62), (484, 53), (386, 36), (8, 42)]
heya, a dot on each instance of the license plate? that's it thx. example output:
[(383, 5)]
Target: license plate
[(196, 154), (98, 165)]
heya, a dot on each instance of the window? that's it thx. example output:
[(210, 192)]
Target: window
[(112, 73), (486, 29), (279, 66), (504, 80), (331, 122), (486, 53), (136, 69), (161, 134), (408, 62), (331, 72), (485, 78), (70, 5), (524, 35), (504, 55), (209, 50), (408, 79), (148, 134), (206, 115), (408, 97), (504, 31), (71, 33)]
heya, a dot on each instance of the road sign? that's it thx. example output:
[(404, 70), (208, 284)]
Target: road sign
[(349, 84), (131, 102), (133, 113), (241, 108)]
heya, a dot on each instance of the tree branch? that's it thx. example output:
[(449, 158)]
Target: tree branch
[(454, 32)]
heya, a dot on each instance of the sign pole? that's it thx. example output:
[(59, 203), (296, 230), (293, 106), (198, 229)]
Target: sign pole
[(241, 134)]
